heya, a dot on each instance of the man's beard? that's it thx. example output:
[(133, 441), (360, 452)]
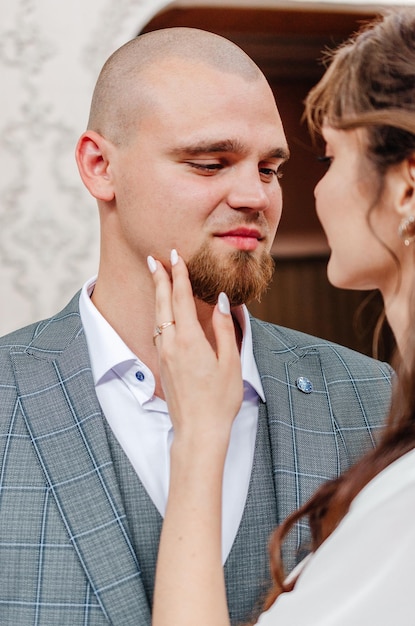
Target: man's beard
[(242, 276)]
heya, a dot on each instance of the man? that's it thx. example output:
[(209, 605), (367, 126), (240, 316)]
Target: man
[(183, 150)]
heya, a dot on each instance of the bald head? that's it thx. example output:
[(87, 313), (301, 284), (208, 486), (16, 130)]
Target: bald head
[(123, 90)]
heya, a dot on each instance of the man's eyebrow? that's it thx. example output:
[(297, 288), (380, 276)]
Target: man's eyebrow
[(227, 145), (207, 147), (282, 153)]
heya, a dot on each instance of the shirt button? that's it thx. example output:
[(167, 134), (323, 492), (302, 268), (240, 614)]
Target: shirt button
[(139, 375)]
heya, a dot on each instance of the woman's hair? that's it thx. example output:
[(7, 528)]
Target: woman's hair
[(370, 84)]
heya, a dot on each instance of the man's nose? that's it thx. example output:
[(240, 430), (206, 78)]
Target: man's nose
[(248, 192)]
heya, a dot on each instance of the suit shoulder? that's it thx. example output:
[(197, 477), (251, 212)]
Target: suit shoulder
[(31, 335), (21, 336), (279, 338)]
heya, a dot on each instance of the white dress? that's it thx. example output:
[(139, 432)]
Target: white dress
[(364, 573)]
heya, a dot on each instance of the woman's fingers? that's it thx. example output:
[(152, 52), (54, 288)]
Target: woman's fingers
[(183, 303), (175, 301), (224, 329), (196, 376), (163, 290), (228, 351)]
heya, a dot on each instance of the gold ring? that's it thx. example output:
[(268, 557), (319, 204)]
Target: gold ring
[(159, 329)]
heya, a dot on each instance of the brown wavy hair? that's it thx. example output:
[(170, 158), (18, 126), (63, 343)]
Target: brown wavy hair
[(369, 83)]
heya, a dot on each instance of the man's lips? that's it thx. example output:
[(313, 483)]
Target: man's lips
[(242, 238)]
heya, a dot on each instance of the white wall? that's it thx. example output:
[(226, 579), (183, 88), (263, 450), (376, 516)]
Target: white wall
[(50, 55)]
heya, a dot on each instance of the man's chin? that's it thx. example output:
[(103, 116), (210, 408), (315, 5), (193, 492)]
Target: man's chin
[(243, 276)]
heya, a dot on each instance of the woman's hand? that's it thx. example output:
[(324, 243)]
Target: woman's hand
[(203, 386), (203, 389)]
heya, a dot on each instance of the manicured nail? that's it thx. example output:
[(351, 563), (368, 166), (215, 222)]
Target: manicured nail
[(152, 265), (223, 304), (174, 257)]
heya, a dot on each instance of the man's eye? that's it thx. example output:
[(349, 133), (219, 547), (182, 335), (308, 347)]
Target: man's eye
[(208, 168), (326, 160), (270, 172)]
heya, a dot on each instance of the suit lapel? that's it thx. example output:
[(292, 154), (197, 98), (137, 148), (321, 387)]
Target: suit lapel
[(65, 423), (300, 427)]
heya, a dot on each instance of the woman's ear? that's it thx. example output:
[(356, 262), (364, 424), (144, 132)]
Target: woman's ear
[(92, 157), (405, 198)]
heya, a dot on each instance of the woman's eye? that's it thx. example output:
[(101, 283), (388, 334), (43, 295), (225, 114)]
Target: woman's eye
[(326, 160)]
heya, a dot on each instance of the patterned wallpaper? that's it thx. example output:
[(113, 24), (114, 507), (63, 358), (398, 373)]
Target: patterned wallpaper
[(50, 55)]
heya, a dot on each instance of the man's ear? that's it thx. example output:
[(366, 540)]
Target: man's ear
[(92, 157)]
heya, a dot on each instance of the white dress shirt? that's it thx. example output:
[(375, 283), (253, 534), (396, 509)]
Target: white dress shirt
[(363, 574), (141, 423)]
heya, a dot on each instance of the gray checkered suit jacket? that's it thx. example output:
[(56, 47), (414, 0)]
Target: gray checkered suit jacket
[(69, 553)]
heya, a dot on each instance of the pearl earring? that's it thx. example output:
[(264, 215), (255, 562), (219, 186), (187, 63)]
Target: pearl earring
[(406, 229)]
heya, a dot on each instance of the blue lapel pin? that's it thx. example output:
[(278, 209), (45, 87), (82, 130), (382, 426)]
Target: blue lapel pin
[(304, 385)]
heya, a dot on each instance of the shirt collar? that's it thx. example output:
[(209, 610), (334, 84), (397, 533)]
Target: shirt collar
[(107, 350), (105, 346), (250, 373)]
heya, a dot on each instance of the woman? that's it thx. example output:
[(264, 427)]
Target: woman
[(361, 567)]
